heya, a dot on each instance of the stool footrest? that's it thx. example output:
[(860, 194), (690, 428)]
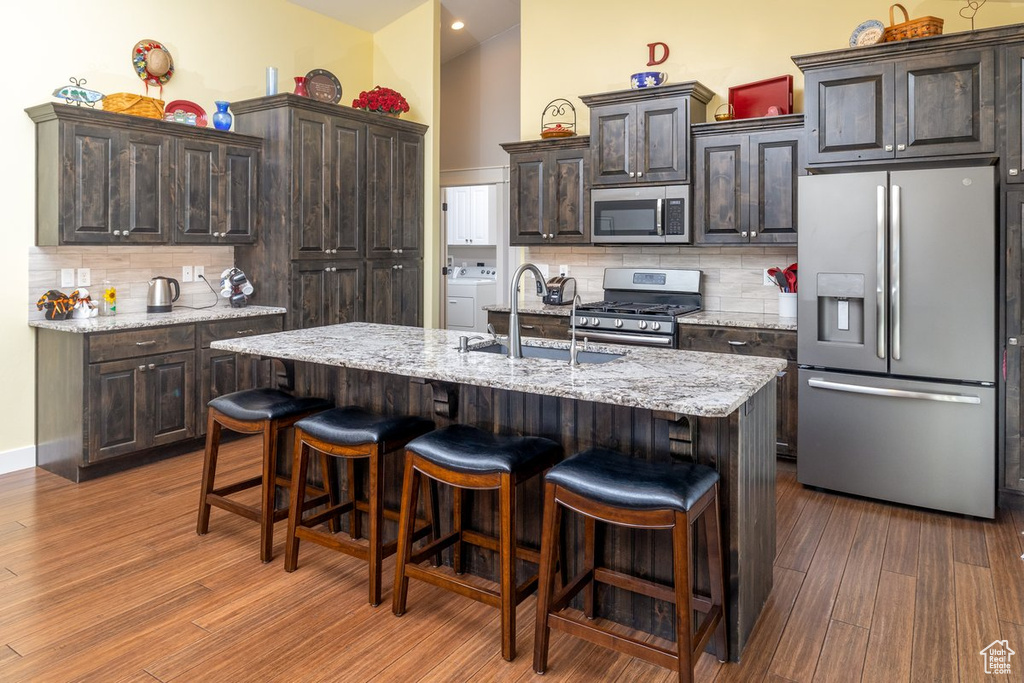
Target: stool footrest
[(491, 543), (238, 486), (434, 547), (634, 585), (241, 509), (630, 646), (560, 599), (453, 583)]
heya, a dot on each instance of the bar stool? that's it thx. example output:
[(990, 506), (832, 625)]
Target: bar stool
[(253, 411), (351, 433), (468, 458), (610, 487)]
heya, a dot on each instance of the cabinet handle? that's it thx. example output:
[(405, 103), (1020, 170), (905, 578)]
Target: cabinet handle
[(900, 147), (142, 368), (249, 331), (632, 175), (1014, 171), (146, 343), (151, 366), (453, 302), (639, 174), (527, 327), (737, 343), (888, 148)]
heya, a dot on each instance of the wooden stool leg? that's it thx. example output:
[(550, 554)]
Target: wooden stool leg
[(269, 490), (507, 551), (331, 487), (410, 483), (355, 525), (209, 471), (684, 610), (297, 495), (550, 541), (433, 513), (376, 550), (457, 528), (589, 551), (716, 567)]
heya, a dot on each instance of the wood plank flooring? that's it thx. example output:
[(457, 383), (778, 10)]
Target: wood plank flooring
[(107, 581)]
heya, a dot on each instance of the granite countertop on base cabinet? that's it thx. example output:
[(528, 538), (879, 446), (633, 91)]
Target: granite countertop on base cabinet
[(134, 321)]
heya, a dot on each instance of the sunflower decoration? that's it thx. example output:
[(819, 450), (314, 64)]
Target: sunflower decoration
[(110, 298)]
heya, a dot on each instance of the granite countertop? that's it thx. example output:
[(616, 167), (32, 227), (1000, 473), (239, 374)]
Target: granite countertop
[(684, 382), (132, 321), (763, 321)]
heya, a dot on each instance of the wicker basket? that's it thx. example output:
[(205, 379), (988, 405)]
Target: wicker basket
[(917, 28), (136, 105)]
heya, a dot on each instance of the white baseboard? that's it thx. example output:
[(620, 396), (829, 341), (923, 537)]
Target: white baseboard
[(17, 459)]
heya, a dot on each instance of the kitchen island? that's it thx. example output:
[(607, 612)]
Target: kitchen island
[(653, 404)]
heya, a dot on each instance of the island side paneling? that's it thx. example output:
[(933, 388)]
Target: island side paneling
[(734, 445)]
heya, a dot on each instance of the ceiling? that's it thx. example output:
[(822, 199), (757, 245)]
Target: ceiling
[(484, 18)]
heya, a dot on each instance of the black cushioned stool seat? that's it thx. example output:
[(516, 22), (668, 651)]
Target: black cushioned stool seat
[(610, 487), (253, 411), (354, 434), (468, 458)]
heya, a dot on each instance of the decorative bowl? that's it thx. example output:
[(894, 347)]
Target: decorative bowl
[(647, 79)]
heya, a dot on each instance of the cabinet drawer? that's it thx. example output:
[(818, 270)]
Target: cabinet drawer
[(145, 342), (533, 324), (238, 327), (744, 341)]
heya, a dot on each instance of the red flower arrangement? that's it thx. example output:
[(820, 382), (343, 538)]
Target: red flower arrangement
[(383, 100)]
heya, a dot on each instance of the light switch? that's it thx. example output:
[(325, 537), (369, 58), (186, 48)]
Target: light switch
[(67, 277), (84, 277), (186, 273), (843, 314)]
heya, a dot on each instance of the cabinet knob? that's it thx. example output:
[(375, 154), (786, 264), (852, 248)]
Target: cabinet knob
[(402, 251), (900, 147), (888, 148), (142, 368), (151, 366), (753, 233), (632, 175), (400, 267), (394, 267), (639, 174), (327, 269), (117, 233), (743, 234), (1014, 171)]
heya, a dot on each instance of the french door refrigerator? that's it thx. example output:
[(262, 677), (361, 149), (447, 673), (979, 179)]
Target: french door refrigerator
[(896, 338)]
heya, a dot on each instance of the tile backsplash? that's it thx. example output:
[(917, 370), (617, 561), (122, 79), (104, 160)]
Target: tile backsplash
[(732, 276), (129, 268)]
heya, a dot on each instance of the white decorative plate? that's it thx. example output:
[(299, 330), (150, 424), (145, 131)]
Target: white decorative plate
[(868, 33)]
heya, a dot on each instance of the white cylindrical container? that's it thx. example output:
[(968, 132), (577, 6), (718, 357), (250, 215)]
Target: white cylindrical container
[(787, 304), (271, 80)]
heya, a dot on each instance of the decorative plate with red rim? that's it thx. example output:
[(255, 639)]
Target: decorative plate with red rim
[(323, 86), (189, 108)]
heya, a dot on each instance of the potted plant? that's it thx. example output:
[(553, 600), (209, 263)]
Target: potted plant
[(383, 100)]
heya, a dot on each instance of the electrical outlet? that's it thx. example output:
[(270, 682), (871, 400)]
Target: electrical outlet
[(769, 281), (67, 277), (186, 273), (563, 269), (199, 272), (84, 277)]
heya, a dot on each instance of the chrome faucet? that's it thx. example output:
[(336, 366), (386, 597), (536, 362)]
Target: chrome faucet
[(515, 349), (573, 350)]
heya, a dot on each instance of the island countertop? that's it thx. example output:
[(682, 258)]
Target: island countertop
[(683, 382)]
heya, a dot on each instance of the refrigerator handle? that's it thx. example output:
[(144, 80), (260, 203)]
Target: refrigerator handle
[(880, 274), (894, 276), (819, 383)]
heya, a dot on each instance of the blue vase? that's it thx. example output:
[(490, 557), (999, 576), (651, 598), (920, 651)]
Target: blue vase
[(222, 117)]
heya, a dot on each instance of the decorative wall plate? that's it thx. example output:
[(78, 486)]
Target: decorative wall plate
[(189, 108), (868, 33), (324, 86)]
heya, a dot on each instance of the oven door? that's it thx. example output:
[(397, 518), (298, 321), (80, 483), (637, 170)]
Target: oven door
[(663, 341), (641, 215)]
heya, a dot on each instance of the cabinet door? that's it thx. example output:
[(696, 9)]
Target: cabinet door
[(345, 299), (408, 293), (224, 372), (1014, 87), (310, 291), (241, 194), (613, 139), (849, 113), (945, 104), (380, 291), (117, 408), (1013, 466), (776, 159), (787, 384), (381, 210), (90, 188), (311, 148), (662, 140), (347, 209), (458, 212), (407, 234), (198, 185), (721, 207), (170, 410), (527, 199), (568, 212), (146, 212)]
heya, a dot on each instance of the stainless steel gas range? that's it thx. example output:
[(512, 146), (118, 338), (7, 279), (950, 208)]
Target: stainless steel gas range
[(640, 306)]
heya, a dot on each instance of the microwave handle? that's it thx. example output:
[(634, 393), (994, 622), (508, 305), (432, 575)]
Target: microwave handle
[(658, 213)]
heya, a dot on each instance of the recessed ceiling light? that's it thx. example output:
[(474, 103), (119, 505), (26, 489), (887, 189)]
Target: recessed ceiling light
[(457, 25)]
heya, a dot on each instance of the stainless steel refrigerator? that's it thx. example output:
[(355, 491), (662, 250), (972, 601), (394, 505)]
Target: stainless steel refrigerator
[(897, 336)]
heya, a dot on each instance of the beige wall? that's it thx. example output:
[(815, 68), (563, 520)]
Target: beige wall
[(593, 46), (220, 51)]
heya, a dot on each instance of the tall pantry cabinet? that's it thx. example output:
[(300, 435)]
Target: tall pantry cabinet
[(342, 206)]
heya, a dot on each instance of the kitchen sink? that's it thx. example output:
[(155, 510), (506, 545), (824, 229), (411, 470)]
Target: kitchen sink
[(552, 353)]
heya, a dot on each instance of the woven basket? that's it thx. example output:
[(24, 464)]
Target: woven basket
[(917, 28), (136, 105)]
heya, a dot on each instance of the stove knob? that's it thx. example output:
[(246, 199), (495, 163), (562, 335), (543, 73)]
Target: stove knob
[(655, 326), (596, 322), (582, 320), (642, 324), (618, 323)]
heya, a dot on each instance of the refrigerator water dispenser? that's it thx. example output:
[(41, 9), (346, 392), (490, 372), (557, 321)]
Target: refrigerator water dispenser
[(840, 307)]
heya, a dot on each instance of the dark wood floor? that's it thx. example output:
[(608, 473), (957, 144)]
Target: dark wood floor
[(107, 581)]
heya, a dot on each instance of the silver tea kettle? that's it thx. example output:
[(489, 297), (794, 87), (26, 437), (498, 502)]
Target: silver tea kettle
[(159, 299)]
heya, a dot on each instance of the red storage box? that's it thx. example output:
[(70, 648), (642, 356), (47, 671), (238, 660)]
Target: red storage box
[(753, 99)]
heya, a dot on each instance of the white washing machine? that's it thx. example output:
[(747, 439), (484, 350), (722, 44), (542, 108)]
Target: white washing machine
[(469, 290)]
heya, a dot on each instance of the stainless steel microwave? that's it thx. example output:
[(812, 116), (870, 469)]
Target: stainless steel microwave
[(657, 214)]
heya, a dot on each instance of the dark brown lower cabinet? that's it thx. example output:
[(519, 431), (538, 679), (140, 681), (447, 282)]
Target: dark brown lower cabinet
[(326, 293), (394, 291), (533, 324), (1012, 470), (224, 372)]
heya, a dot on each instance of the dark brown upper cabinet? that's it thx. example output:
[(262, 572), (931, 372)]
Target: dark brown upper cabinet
[(932, 97), (105, 178), (643, 135), (550, 199), (1014, 88), (745, 180), (394, 192)]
